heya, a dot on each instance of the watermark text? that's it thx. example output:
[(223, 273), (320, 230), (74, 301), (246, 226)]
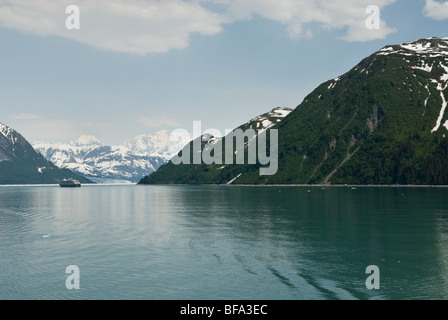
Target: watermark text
[(239, 147), (73, 21)]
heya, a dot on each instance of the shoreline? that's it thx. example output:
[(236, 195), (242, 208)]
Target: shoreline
[(57, 185), (245, 185), (299, 185)]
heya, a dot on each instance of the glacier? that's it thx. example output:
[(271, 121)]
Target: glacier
[(128, 162)]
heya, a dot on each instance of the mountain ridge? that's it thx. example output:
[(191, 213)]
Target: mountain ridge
[(21, 164), (258, 124), (128, 162), (383, 122)]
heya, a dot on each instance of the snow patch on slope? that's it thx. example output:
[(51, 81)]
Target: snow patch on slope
[(442, 113), (268, 120), (333, 84), (429, 55), (233, 180), (444, 77), (446, 125), (7, 132), (4, 130), (426, 47), (417, 47), (424, 67)]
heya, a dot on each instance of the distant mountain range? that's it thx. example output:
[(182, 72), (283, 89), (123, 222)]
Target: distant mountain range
[(383, 122), (21, 164), (131, 161)]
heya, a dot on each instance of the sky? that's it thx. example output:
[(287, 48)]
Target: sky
[(139, 66)]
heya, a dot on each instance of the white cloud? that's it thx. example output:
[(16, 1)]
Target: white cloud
[(158, 120), (157, 26), (25, 116), (299, 15), (436, 10), (132, 26)]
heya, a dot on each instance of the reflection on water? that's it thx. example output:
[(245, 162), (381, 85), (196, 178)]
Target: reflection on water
[(223, 242)]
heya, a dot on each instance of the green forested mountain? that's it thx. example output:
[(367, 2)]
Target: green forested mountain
[(383, 122), (215, 173), (21, 164)]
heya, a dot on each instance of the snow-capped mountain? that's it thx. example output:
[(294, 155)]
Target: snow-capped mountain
[(130, 161), (431, 56), (383, 122), (258, 124), (21, 164), (267, 120), (85, 140), (157, 145)]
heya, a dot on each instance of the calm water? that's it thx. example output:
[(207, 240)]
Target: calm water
[(133, 242)]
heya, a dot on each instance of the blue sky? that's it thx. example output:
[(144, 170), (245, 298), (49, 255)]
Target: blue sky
[(137, 67)]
